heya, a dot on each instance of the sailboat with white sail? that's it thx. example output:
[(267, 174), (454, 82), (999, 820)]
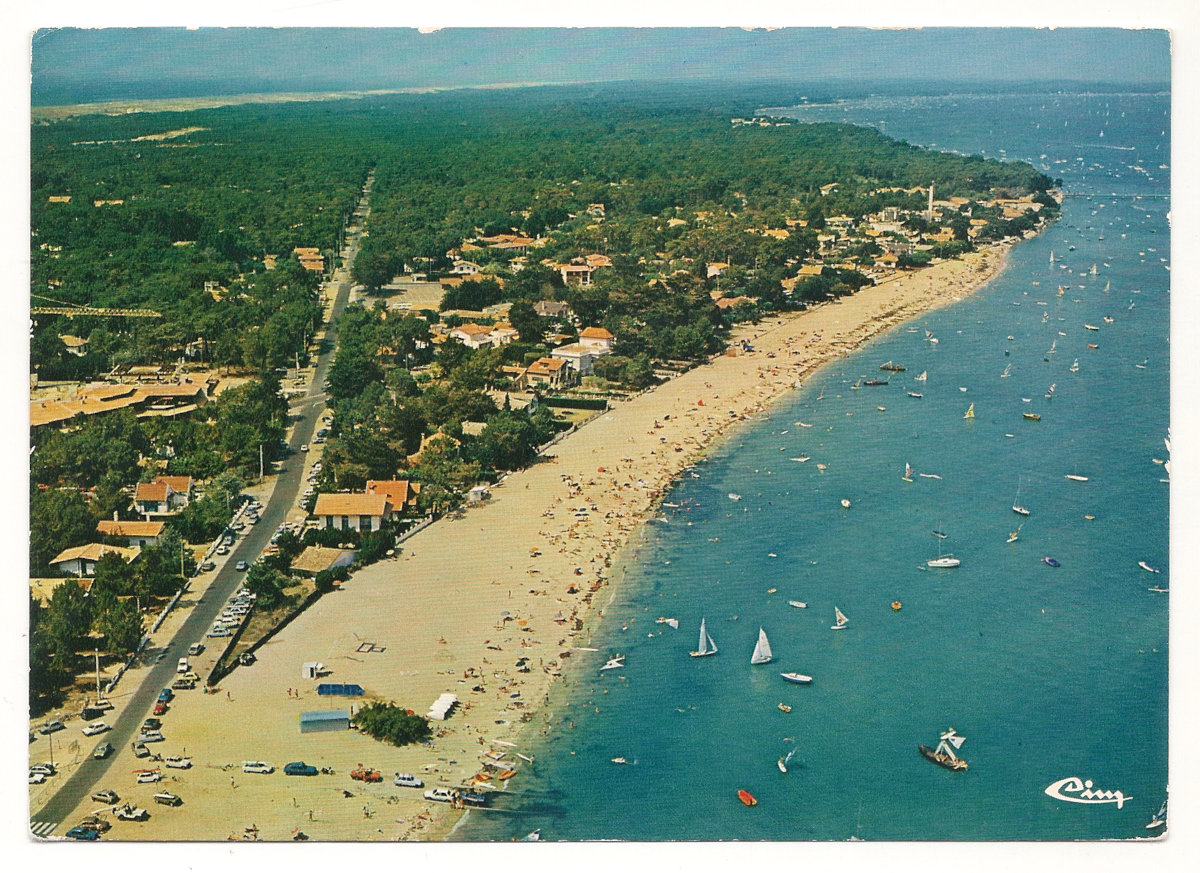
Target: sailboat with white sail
[(840, 620), (1017, 507), (944, 755), (762, 649), (706, 646), (924, 375)]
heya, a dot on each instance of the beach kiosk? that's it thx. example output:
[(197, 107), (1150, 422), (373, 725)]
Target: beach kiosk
[(311, 670), (324, 720)]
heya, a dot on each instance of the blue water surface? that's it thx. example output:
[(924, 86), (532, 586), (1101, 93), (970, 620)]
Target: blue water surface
[(1047, 672)]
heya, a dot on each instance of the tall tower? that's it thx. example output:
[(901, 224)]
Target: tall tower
[(929, 210)]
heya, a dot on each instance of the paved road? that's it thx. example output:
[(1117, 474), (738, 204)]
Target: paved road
[(90, 773)]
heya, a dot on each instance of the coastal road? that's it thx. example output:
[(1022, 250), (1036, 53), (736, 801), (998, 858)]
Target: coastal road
[(90, 773)]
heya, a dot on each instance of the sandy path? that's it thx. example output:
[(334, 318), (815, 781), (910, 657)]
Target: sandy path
[(436, 613)]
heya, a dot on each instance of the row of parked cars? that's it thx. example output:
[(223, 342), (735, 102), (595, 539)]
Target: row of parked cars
[(234, 614)]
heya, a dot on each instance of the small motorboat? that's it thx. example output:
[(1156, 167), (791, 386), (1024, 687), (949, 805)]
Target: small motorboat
[(746, 797), (1148, 568), (619, 761), (845, 503), (1031, 416), (798, 678), (1051, 561), (783, 707), (1075, 477), (896, 604), (800, 604)]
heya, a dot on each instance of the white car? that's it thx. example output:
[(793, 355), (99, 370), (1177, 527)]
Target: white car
[(149, 776), (36, 778), (257, 767), (150, 737), (218, 632), (44, 769), (179, 762), (96, 727), (407, 780)]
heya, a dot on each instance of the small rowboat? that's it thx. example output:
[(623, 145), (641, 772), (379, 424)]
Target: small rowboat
[(746, 797)]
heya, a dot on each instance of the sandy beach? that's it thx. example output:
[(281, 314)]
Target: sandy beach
[(513, 578)]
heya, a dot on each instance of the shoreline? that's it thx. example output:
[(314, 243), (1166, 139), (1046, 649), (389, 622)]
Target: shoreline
[(519, 580)]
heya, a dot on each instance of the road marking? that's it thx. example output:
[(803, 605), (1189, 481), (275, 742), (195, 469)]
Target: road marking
[(42, 828)]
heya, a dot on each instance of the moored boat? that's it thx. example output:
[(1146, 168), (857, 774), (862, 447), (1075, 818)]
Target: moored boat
[(875, 382), (944, 755), (1075, 477), (1148, 568), (896, 604), (798, 678), (799, 604), (943, 562), (892, 368), (746, 797), (1051, 561)]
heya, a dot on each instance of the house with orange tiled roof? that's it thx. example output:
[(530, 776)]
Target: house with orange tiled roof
[(472, 335), (166, 495), (135, 533), (360, 512), (551, 372), (598, 339), (400, 493), (81, 560)]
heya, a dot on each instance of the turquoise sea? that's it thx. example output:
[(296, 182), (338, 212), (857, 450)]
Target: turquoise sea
[(1047, 672)]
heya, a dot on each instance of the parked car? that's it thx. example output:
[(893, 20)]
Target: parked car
[(96, 727), (105, 796), (218, 632), (179, 762), (257, 767), (246, 659), (304, 447), (299, 768), (166, 798), (96, 823), (150, 737), (102, 751), (208, 566), (50, 727), (140, 750), (195, 649), (442, 795), (129, 812), (241, 566), (147, 776), (44, 769), (407, 780), (183, 684), (166, 695), (222, 549), (36, 778), (193, 676), (79, 832), (161, 707), (183, 666), (151, 724)]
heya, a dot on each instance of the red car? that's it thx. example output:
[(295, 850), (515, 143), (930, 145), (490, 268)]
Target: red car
[(365, 774), (160, 707)]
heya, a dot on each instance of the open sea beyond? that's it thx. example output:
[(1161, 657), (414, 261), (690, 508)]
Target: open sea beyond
[(1048, 672)]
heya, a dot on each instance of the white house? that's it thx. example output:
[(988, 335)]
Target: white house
[(135, 533), (81, 560), (578, 356), (599, 340), (472, 335), (360, 512)]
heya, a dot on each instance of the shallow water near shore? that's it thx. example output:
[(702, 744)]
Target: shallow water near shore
[(1048, 672)]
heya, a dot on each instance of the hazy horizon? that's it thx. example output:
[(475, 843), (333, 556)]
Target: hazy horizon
[(71, 65)]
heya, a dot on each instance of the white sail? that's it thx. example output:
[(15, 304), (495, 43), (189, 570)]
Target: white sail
[(924, 375), (706, 645), (762, 650), (840, 619)]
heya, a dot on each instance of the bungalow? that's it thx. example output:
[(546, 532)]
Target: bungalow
[(166, 495), (472, 335), (81, 560), (553, 372), (360, 512), (502, 334), (578, 356), (599, 340), (135, 533), (400, 493), (575, 274), (464, 268)]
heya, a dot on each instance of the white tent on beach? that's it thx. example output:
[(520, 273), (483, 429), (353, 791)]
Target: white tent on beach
[(442, 706)]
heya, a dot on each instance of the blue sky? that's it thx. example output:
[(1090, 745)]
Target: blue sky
[(72, 65)]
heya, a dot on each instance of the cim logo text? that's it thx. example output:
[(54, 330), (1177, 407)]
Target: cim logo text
[(1078, 790)]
